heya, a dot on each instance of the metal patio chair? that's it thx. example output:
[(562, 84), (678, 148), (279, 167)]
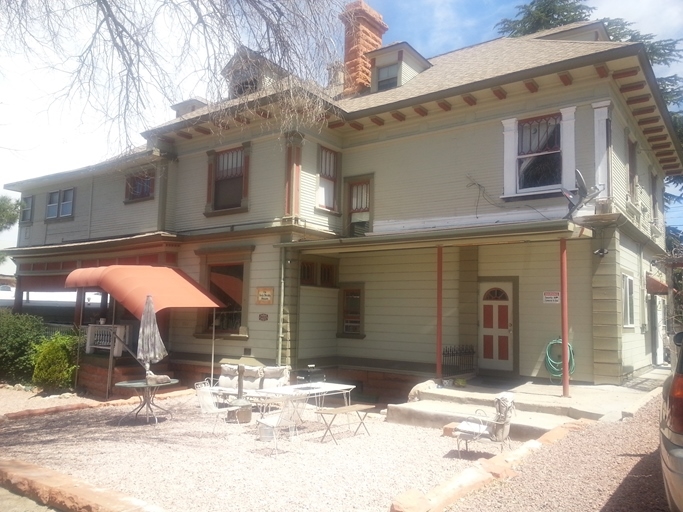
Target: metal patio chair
[(482, 428), (209, 404), (286, 418)]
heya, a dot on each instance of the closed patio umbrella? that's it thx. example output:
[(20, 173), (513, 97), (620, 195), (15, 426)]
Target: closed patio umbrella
[(151, 348)]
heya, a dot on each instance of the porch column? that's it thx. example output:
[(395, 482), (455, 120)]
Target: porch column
[(439, 310), (80, 304), (565, 317), (18, 296)]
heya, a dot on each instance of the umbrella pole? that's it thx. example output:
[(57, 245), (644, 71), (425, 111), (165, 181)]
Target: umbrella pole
[(213, 342)]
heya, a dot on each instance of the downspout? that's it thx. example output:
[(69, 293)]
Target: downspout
[(439, 310), (565, 317), (281, 309)]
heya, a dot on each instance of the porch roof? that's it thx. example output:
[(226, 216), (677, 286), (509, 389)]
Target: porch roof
[(130, 285), (477, 235)]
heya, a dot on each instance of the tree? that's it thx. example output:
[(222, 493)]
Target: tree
[(9, 212), (123, 56), (9, 215)]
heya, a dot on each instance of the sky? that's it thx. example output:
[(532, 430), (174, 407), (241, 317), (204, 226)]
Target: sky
[(41, 135)]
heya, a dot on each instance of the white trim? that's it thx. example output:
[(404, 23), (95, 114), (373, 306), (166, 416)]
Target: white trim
[(601, 113), (567, 141), (628, 306)]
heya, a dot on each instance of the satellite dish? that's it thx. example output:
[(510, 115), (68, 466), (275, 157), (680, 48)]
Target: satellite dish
[(583, 194)]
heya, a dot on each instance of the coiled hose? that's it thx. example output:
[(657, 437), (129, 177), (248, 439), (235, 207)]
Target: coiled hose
[(554, 366)]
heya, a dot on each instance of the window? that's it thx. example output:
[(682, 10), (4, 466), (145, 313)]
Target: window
[(26, 209), (226, 283), (539, 154), (328, 179), (307, 273), (628, 305), (387, 77), (140, 186), (228, 179), (351, 305), (225, 273), (246, 87), (317, 273), (60, 204), (632, 172), (539, 158), (359, 207)]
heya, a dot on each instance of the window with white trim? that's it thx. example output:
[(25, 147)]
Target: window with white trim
[(359, 206), (628, 301), (632, 171), (539, 153), (26, 214), (328, 179), (60, 204)]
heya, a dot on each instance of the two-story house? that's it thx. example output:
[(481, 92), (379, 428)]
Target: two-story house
[(433, 214)]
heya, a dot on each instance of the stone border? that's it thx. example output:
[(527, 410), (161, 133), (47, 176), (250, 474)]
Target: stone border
[(62, 492)]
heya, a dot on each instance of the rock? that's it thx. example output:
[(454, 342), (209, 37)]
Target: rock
[(19, 387)]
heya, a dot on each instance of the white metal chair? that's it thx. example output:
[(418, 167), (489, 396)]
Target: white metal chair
[(209, 404), (287, 417), (481, 428)]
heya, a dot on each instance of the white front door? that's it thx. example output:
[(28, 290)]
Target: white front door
[(495, 326)]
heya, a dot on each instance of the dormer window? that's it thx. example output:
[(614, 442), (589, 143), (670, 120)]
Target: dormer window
[(246, 87), (387, 77)]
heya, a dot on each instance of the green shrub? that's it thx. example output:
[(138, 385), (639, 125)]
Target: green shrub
[(19, 335), (55, 360)]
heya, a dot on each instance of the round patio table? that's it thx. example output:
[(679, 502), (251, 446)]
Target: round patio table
[(146, 393)]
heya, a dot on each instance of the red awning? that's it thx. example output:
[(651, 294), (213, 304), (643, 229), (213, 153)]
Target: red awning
[(654, 286), (130, 285)]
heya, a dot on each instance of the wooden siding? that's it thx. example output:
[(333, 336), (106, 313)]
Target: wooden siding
[(636, 343), (537, 265), (400, 304), (264, 271), (315, 217), (266, 196), (463, 164), (318, 322)]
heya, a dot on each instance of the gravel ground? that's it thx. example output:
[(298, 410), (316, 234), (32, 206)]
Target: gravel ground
[(181, 466), (607, 467)]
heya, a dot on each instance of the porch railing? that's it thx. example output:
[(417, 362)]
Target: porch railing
[(52, 329), (105, 337), (458, 359)]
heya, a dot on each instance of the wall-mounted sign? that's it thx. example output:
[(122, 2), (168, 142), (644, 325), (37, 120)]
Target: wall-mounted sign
[(264, 295), (551, 297), (263, 317)]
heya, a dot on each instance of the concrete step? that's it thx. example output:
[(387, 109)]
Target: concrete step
[(525, 425)]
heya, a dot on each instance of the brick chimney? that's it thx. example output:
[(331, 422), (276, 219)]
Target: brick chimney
[(363, 31)]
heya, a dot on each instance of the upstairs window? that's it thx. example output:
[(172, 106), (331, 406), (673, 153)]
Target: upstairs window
[(228, 180), (328, 179), (245, 87), (387, 77), (140, 186), (539, 154), (359, 207), (26, 209), (539, 158), (60, 204)]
